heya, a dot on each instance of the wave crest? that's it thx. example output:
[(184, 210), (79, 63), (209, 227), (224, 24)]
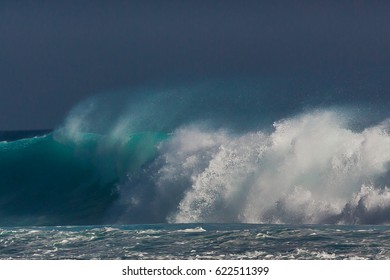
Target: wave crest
[(311, 168)]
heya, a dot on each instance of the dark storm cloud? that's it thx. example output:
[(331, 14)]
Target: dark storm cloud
[(55, 53)]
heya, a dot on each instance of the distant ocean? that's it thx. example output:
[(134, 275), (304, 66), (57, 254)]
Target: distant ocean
[(226, 171)]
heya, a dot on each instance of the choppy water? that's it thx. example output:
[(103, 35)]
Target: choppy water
[(196, 241)]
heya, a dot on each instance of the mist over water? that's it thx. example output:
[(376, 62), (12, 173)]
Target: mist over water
[(310, 169), (227, 152)]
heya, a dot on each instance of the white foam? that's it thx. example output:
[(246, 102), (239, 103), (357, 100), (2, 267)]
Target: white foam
[(192, 230), (306, 171), (149, 231), (108, 229)]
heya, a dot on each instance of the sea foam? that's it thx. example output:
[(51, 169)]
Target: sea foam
[(312, 168)]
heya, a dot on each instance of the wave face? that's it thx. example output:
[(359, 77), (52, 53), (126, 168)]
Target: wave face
[(188, 156), (53, 180)]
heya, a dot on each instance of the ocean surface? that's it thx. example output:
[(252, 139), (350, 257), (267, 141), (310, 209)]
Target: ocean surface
[(203, 171), (196, 242)]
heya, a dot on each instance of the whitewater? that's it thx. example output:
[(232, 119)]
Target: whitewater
[(196, 242), (221, 171), (175, 156)]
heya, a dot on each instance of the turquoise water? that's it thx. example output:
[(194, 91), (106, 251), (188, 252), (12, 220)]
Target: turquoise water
[(52, 180)]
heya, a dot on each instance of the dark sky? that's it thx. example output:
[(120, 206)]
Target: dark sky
[(55, 53)]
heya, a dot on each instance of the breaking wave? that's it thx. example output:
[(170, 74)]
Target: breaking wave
[(310, 169), (194, 157)]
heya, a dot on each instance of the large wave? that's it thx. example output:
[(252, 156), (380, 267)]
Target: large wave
[(310, 169), (186, 155)]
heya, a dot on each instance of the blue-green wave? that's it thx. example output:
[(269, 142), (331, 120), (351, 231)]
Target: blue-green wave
[(234, 152), (45, 180)]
